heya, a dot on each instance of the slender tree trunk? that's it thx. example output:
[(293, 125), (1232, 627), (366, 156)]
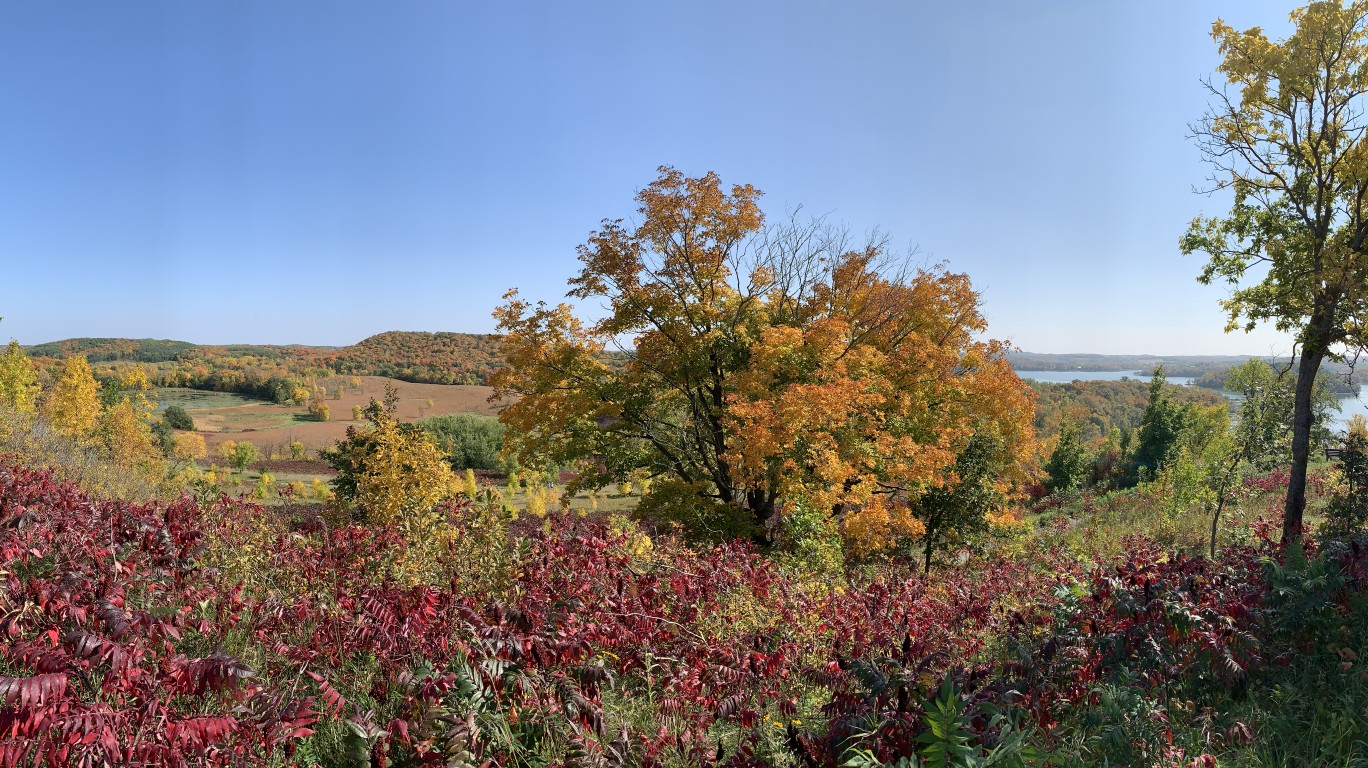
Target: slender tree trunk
[(1312, 355), (926, 568), (1216, 518), (1227, 479)]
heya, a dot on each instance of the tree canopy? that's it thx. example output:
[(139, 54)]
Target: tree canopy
[(766, 365), (1288, 144), (18, 381)]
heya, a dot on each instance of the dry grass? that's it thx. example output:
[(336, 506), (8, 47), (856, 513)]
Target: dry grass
[(267, 424)]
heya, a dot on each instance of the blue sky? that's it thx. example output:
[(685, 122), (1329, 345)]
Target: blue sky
[(316, 172)]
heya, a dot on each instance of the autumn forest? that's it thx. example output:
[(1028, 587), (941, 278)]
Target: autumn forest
[(755, 491)]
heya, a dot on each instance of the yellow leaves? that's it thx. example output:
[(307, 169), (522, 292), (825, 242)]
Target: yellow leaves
[(72, 406), (855, 406), (265, 487), (877, 526), (226, 450), (187, 446), (126, 438), (1007, 518), (405, 475), (18, 381), (696, 214), (772, 368), (1357, 428), (320, 490)]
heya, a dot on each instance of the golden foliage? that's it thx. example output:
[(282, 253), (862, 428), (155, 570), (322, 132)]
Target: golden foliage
[(35, 443), (125, 436), (18, 380), (403, 476), (874, 525), (265, 487), (72, 405), (766, 365), (320, 491)]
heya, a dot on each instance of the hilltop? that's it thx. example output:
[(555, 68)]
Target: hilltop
[(419, 357), (1207, 370), (1174, 365)]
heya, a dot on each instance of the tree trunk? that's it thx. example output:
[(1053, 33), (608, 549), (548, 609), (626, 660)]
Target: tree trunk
[(926, 567), (762, 506), (1216, 518), (1227, 477), (1312, 355)]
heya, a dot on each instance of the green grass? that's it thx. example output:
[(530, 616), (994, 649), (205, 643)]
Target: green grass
[(258, 420), (191, 399)]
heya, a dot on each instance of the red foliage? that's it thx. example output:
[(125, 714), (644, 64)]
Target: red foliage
[(98, 604), (117, 636)]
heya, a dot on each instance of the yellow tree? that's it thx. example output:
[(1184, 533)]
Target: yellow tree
[(72, 405), (136, 388), (393, 472), (125, 436), (226, 450), (188, 446), (870, 403), (18, 381), (762, 366), (1289, 145)]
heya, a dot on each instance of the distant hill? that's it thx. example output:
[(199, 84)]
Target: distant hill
[(102, 350), (1174, 365), (425, 358), (1208, 370), (428, 358)]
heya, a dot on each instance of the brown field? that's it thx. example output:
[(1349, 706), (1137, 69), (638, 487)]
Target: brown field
[(269, 425)]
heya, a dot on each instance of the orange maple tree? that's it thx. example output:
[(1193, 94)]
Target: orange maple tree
[(767, 368)]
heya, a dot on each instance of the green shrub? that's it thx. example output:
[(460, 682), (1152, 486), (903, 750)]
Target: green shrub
[(176, 417), (673, 503), (469, 441), (1348, 508)]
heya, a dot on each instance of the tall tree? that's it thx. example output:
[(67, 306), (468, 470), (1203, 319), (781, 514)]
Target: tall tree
[(1160, 428), (1067, 467), (18, 382), (72, 405), (1267, 397), (1287, 144), (761, 365)]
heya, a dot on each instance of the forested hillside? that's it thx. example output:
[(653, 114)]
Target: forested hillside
[(1097, 407), (430, 358), (433, 358), (101, 350)]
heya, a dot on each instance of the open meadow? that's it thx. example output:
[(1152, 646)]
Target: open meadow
[(226, 416), (763, 487)]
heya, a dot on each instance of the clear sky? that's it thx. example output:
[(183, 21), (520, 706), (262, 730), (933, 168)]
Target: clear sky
[(316, 172)]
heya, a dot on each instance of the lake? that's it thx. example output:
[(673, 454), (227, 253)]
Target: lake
[(1064, 377), (1349, 404)]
